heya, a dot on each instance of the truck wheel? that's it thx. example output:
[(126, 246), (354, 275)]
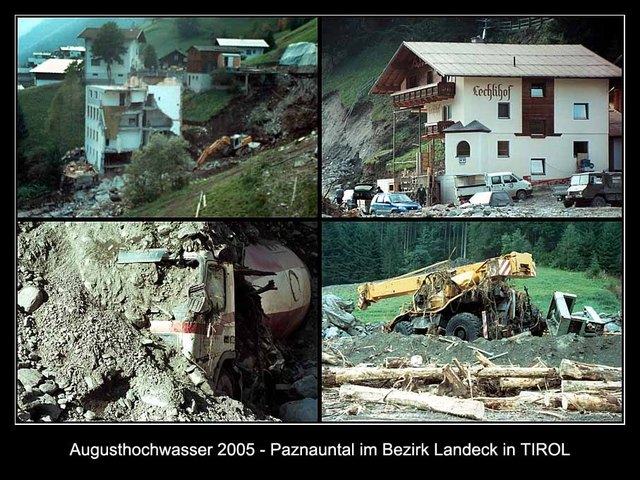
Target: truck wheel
[(465, 326), (598, 202), (404, 327), (568, 203), (372, 212), (227, 384), (521, 195)]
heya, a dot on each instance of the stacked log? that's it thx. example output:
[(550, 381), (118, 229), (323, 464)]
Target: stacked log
[(573, 386)]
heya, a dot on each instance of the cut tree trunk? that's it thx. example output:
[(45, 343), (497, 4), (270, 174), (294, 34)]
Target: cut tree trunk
[(590, 386), (453, 406), (507, 371), (338, 376), (581, 402), (524, 383), (570, 369)]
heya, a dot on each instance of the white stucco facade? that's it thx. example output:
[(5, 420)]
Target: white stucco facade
[(169, 100), (198, 82), (120, 119), (538, 157), (96, 71)]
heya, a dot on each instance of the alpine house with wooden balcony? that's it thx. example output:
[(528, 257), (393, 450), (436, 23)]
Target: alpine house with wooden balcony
[(540, 111)]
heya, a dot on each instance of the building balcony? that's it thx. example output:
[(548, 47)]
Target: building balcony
[(424, 94), (436, 130)]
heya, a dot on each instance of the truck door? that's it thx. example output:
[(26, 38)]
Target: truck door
[(509, 182), (495, 183)]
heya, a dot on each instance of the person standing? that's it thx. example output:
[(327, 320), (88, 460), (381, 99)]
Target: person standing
[(339, 194), (422, 195)]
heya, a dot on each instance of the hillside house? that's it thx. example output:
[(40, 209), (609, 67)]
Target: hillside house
[(249, 47), (96, 70), (120, 119), (38, 58), (202, 61), (175, 58), (51, 71), (539, 111), (73, 52)]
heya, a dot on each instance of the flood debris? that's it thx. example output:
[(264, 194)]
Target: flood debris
[(92, 350), (467, 390)]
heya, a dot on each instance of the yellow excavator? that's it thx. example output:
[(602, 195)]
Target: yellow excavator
[(469, 301), (235, 145)]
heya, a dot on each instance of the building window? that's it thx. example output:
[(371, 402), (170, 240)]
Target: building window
[(94, 74), (503, 148), (536, 127), (132, 121), (429, 77), (95, 62), (446, 112), (580, 149), (581, 111), (412, 81), (537, 89), (538, 166), (504, 110), (463, 149)]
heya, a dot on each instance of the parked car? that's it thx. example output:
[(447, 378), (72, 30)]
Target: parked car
[(360, 196), (388, 203), (595, 188), (491, 199), (468, 185)]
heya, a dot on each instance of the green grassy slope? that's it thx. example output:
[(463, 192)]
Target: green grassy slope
[(262, 185), (163, 35), (200, 107), (305, 33), (35, 103), (351, 77), (594, 292)]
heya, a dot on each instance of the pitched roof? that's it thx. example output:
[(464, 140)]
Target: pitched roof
[(90, 33), (473, 126), (495, 60), (242, 42), (53, 65)]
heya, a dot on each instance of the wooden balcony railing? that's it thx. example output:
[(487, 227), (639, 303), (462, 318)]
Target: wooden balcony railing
[(436, 130), (423, 95)]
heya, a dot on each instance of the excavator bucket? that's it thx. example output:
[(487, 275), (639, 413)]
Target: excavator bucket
[(152, 255)]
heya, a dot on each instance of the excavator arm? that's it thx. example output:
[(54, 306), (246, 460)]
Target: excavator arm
[(514, 264), (211, 149)]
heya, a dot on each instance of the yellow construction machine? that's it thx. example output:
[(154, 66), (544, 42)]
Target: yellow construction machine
[(469, 301), (225, 146)]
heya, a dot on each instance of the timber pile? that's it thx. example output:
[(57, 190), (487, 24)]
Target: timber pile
[(466, 390)]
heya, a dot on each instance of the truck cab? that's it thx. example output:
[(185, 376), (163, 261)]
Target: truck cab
[(199, 321), (596, 189)]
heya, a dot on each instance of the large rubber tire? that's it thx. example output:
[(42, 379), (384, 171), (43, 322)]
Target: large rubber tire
[(227, 384), (598, 202), (568, 203), (372, 212), (404, 327), (521, 195), (465, 326)]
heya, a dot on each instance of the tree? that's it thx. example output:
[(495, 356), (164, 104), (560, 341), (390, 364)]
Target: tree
[(22, 131), (109, 45), (187, 27), (66, 112), (515, 242), (271, 40), (149, 57), (161, 166)]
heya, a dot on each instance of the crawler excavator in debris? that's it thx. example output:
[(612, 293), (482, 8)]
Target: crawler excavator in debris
[(469, 301), (226, 146)]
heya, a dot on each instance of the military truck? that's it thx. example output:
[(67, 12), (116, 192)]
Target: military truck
[(596, 189)]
